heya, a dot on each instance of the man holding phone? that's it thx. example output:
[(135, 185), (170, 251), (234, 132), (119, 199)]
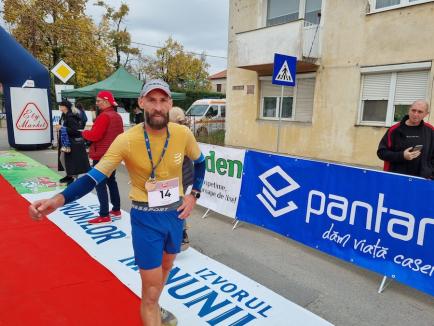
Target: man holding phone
[(408, 146)]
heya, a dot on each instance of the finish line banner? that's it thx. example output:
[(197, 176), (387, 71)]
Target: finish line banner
[(199, 290), (222, 184), (379, 221)]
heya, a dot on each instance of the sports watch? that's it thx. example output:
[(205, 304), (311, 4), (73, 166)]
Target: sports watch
[(195, 194)]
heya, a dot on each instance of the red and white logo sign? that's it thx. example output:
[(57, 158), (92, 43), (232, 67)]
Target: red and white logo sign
[(31, 118)]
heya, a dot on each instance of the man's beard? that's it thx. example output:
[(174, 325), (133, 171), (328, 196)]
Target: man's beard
[(157, 124)]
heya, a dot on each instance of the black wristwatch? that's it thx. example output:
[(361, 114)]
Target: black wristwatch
[(195, 194)]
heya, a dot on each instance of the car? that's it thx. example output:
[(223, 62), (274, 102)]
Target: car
[(207, 116)]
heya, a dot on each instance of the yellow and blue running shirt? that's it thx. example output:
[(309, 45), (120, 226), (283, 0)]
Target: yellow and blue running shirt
[(130, 147)]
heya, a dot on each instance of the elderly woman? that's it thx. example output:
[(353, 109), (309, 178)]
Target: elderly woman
[(72, 156)]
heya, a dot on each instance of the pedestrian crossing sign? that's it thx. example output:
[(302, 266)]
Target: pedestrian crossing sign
[(284, 70)]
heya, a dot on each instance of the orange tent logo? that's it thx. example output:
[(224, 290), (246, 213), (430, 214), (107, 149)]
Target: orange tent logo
[(31, 118)]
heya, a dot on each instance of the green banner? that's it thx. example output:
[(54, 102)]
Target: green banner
[(27, 175)]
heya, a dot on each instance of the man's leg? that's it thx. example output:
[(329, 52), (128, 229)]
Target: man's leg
[(166, 266), (114, 192), (101, 192), (153, 281), (167, 317)]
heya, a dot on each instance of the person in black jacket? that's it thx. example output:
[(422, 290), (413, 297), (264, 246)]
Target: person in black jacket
[(82, 114), (72, 156), (138, 115), (408, 146)]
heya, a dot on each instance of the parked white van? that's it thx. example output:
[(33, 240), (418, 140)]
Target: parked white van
[(207, 116)]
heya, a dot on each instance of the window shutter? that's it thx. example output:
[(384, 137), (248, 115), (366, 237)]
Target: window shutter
[(304, 100), (270, 90), (411, 86), (376, 86)]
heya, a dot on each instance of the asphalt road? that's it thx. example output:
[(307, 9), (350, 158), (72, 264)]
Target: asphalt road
[(333, 289)]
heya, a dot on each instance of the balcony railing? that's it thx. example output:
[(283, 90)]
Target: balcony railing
[(257, 47)]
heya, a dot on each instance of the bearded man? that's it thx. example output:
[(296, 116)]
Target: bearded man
[(153, 153)]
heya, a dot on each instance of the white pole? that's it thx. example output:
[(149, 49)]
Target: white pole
[(280, 118), (206, 213), (384, 283), (236, 224)]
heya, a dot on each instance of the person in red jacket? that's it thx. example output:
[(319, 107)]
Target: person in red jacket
[(107, 126)]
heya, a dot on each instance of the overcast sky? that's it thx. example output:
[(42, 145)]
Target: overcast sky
[(199, 25)]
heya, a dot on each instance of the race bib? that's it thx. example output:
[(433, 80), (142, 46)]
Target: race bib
[(166, 192)]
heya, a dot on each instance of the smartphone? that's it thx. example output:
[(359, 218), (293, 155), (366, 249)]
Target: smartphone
[(416, 148)]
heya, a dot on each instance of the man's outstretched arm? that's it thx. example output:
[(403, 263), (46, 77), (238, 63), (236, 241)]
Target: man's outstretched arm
[(84, 184), (79, 188)]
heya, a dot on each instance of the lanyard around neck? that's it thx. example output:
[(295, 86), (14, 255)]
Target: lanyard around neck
[(148, 148)]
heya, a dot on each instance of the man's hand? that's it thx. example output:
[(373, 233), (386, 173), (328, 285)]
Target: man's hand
[(409, 155), (57, 127), (187, 206), (43, 207)]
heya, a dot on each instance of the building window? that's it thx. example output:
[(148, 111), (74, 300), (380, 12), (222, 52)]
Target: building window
[(287, 107), (381, 5), (282, 11), (386, 96), (219, 87), (297, 104), (386, 3), (271, 107), (312, 11), (285, 11)]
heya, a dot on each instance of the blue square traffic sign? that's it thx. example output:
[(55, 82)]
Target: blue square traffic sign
[(284, 70)]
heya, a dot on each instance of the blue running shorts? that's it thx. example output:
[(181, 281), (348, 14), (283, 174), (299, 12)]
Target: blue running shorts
[(155, 230)]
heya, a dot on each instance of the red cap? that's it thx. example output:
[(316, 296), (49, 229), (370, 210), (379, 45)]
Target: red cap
[(106, 95)]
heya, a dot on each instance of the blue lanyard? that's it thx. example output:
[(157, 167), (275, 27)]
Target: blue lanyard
[(148, 148)]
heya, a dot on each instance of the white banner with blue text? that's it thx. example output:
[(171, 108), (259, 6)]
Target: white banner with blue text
[(199, 290)]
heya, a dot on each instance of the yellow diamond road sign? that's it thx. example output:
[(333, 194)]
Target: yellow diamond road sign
[(62, 71)]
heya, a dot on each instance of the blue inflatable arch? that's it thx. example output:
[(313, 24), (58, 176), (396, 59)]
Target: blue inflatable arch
[(16, 66)]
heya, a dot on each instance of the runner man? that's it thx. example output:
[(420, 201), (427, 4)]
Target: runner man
[(153, 153)]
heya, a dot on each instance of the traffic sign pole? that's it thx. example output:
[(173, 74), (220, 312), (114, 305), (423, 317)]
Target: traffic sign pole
[(280, 119), (284, 72)]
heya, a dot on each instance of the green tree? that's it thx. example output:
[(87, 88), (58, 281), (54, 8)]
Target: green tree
[(117, 37), (56, 29), (137, 66), (180, 69)]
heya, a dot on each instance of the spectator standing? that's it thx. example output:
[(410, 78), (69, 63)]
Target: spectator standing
[(72, 156), (83, 115), (107, 126), (408, 146)]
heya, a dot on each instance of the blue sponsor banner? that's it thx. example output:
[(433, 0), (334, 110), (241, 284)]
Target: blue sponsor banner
[(380, 221)]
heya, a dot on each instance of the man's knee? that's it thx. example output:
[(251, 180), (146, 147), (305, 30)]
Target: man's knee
[(150, 295)]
